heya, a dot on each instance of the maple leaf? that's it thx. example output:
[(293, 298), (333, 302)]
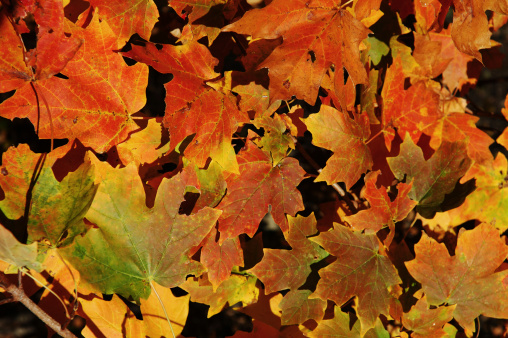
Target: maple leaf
[(212, 185), (134, 245), (111, 318), (253, 97), (128, 17), (470, 30), (367, 11), (337, 326), (13, 70), (288, 269), (378, 331), (377, 49), (434, 178), (93, 104), (16, 66), (213, 117), (205, 17), (193, 107), (425, 322), (257, 51), (479, 290), (16, 253), (316, 36), (297, 307), (19, 168), (191, 65), (114, 318), (340, 326), (427, 13), (460, 126), (143, 146), (219, 259), (410, 111), (341, 94), (428, 55), (360, 270), (233, 290), (334, 130), (263, 188), (275, 140), (490, 199), (383, 211), (49, 16), (154, 319), (455, 74), (57, 208)]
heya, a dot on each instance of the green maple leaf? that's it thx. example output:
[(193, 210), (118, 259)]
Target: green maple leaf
[(132, 244), (434, 178), (16, 253), (57, 208)]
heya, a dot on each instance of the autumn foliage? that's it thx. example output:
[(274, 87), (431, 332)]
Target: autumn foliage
[(265, 103)]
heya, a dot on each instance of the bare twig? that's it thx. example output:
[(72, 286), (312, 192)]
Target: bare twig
[(19, 295)]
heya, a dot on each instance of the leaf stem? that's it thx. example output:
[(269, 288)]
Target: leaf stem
[(345, 4), (477, 319), (75, 303), (20, 296), (163, 308), (243, 273), (373, 137), (44, 286), (47, 110)]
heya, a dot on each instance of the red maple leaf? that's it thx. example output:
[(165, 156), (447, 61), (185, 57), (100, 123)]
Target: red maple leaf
[(383, 211), (316, 36), (409, 110), (288, 269), (263, 188), (93, 104)]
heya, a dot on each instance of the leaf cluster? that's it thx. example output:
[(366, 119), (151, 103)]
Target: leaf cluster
[(112, 194)]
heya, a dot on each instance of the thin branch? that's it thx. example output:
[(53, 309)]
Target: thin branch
[(19, 296)]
